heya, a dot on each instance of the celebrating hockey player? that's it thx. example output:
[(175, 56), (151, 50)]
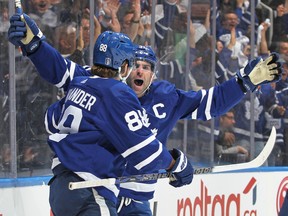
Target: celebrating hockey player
[(98, 126), (161, 98), (170, 104)]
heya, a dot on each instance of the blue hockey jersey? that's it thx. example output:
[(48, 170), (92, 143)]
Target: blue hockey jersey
[(169, 104), (99, 126), (164, 103)]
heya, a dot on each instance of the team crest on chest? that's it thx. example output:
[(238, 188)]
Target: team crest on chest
[(144, 117)]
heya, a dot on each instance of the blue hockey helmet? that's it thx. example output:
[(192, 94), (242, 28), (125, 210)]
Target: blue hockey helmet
[(146, 53), (111, 49)]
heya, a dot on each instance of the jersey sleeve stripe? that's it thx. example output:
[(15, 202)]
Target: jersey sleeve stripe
[(208, 103), (46, 123), (68, 74), (138, 146), (72, 70), (64, 78), (194, 114), (53, 122), (150, 158)]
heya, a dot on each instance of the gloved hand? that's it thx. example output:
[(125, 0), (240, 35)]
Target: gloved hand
[(25, 33), (258, 72), (182, 170)]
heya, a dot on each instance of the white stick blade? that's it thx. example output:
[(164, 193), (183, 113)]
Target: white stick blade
[(258, 161)]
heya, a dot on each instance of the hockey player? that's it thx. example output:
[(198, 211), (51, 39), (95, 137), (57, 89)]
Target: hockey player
[(170, 104), (98, 126)]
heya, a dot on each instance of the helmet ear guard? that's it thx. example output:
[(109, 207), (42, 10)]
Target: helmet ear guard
[(112, 49)]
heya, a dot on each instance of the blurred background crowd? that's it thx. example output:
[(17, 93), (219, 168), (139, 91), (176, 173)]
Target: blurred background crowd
[(199, 44)]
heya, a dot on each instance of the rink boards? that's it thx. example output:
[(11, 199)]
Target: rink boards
[(256, 192)]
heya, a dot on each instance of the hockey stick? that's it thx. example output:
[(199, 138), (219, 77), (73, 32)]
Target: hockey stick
[(18, 7), (258, 161)]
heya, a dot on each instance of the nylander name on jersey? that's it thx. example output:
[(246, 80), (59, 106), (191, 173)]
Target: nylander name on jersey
[(82, 98)]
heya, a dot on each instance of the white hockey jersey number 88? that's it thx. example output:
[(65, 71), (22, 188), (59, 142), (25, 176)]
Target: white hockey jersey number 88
[(137, 120)]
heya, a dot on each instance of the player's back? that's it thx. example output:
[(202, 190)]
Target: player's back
[(98, 124), (97, 119), (80, 121)]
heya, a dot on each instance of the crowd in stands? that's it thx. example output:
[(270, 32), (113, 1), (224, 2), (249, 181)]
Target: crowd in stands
[(186, 55)]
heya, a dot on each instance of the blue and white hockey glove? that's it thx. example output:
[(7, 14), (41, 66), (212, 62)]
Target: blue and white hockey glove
[(182, 170), (25, 33), (258, 72)]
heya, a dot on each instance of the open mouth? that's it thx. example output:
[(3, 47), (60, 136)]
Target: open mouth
[(42, 5), (138, 82)]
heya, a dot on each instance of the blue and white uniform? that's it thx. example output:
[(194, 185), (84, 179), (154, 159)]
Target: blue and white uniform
[(167, 104), (98, 126), (170, 104)]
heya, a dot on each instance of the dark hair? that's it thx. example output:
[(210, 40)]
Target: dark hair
[(103, 71), (106, 72)]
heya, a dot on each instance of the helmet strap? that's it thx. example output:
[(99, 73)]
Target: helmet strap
[(123, 79)]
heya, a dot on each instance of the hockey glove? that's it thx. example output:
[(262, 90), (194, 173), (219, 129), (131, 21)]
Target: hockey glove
[(182, 170), (25, 33), (258, 72)]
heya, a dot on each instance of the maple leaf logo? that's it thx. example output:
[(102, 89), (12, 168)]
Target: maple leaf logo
[(144, 117)]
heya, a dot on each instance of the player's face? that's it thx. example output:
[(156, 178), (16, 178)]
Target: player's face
[(140, 78)]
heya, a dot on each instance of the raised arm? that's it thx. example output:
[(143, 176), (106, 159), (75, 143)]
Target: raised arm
[(49, 63)]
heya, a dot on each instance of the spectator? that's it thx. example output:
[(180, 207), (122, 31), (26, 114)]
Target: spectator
[(41, 9), (42, 13), (280, 23), (165, 14), (71, 11), (274, 113), (85, 24), (234, 55), (233, 37), (131, 19), (4, 18), (109, 19), (282, 48), (282, 98), (283, 83), (227, 149), (264, 102), (242, 126), (144, 31), (173, 54), (67, 43)]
